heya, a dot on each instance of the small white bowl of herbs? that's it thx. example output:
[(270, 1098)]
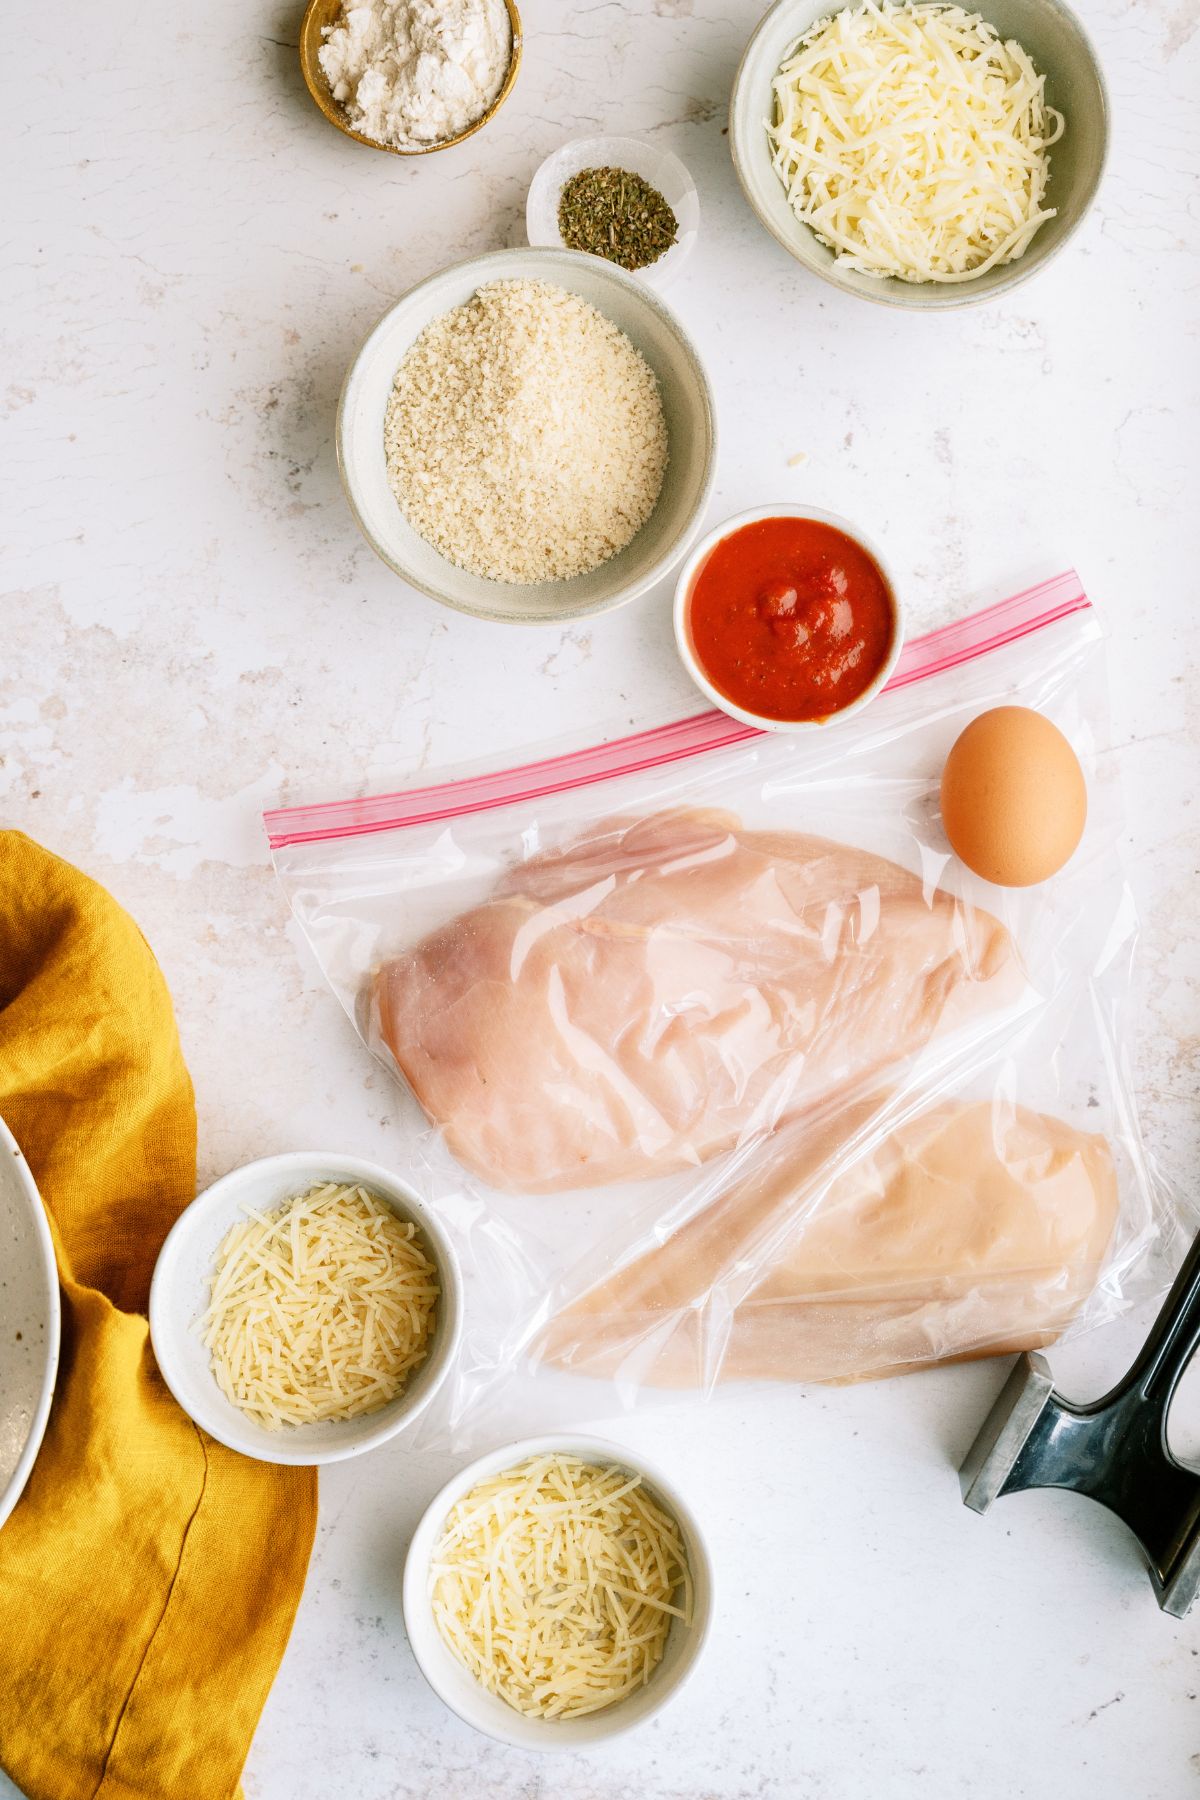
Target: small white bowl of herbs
[(620, 198)]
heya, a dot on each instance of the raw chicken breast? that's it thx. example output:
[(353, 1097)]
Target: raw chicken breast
[(968, 1231), (642, 999)]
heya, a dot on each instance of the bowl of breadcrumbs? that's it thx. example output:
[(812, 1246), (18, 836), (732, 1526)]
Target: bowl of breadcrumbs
[(528, 436)]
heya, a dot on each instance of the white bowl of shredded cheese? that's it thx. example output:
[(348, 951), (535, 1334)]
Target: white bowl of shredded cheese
[(920, 154), (490, 1580), (305, 1308), (640, 157)]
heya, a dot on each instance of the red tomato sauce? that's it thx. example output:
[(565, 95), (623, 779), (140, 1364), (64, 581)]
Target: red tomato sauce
[(790, 618)]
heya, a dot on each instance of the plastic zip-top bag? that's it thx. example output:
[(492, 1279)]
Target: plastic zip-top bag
[(723, 1068)]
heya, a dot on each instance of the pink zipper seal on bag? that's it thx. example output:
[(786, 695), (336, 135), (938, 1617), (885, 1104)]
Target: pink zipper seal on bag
[(946, 648)]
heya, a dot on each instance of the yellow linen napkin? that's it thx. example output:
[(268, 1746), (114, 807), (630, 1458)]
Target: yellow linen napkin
[(148, 1576)]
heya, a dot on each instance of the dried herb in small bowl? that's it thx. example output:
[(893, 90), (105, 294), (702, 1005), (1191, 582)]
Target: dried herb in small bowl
[(616, 214)]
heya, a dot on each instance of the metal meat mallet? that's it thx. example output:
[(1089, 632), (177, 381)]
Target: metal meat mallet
[(1115, 1450)]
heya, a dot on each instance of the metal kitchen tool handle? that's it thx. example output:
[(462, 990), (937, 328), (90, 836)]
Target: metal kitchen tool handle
[(1115, 1450)]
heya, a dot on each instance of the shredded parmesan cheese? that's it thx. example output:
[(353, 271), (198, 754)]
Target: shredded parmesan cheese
[(555, 1585), (320, 1309), (913, 140)]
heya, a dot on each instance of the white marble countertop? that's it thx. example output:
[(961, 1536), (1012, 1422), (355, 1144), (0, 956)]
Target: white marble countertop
[(195, 629)]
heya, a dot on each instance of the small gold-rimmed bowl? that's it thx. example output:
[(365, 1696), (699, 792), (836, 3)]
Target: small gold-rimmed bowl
[(320, 14)]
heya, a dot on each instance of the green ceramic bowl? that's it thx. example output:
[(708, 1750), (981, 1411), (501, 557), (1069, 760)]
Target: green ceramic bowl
[(1060, 50)]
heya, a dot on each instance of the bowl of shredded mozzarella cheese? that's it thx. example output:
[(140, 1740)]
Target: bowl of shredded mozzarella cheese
[(557, 1592), (920, 154), (305, 1308)]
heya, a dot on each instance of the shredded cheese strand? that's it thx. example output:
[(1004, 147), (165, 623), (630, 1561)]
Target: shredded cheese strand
[(913, 140)]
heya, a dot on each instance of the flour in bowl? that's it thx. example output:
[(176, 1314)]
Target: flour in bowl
[(412, 73)]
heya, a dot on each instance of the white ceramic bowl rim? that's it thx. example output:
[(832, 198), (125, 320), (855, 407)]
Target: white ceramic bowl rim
[(202, 1399), (481, 268), (491, 1716), (12, 1152), (696, 560)]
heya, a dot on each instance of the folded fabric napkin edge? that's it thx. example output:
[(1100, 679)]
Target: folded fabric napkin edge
[(149, 1577)]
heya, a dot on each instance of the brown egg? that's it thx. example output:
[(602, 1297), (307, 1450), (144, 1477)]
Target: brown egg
[(1014, 800)]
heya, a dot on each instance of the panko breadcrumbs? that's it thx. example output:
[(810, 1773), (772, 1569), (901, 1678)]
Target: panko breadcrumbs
[(525, 436)]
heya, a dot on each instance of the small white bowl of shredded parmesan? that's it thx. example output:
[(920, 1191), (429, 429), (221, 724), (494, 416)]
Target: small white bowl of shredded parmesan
[(557, 1592), (918, 152), (305, 1308)]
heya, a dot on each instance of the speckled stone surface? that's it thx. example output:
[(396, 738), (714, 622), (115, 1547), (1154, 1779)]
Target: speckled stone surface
[(193, 629)]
